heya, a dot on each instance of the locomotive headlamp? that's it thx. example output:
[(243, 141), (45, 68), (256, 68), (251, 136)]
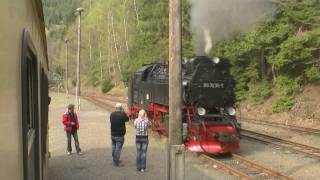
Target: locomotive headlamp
[(184, 83), (201, 111), (216, 60), (231, 111)]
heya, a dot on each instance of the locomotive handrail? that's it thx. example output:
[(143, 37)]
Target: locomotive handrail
[(212, 123)]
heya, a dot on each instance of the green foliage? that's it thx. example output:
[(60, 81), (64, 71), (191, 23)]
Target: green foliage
[(286, 89), (58, 14), (92, 80), (287, 86), (119, 36), (313, 73), (106, 86), (73, 82), (57, 76), (259, 92), (292, 51), (282, 52), (283, 104)]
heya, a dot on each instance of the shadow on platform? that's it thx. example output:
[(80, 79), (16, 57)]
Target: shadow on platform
[(96, 164)]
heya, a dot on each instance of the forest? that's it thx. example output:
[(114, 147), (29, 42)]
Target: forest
[(277, 56)]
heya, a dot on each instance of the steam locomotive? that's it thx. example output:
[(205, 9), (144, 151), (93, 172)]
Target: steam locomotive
[(209, 121)]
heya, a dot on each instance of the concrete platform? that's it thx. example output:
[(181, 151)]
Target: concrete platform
[(96, 162)]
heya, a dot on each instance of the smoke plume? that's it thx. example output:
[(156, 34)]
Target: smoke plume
[(216, 20)]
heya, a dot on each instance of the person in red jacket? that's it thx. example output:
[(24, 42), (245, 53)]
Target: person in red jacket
[(71, 125)]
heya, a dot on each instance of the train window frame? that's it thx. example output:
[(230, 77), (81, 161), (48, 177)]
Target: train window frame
[(29, 98), (44, 98)]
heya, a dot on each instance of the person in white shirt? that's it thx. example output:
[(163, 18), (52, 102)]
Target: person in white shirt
[(142, 124)]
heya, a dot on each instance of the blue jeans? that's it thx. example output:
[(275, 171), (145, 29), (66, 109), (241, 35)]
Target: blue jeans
[(117, 143), (142, 146)]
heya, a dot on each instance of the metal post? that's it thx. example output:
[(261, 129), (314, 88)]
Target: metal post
[(175, 161), (66, 80), (79, 10)]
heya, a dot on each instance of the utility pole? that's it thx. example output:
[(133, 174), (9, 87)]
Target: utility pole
[(78, 94), (66, 42), (176, 149)]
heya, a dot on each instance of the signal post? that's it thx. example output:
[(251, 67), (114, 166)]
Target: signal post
[(175, 148)]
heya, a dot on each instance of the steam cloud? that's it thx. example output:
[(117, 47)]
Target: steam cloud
[(216, 20)]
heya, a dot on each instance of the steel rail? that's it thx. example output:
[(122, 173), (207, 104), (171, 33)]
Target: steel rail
[(108, 98), (95, 97), (99, 103), (243, 168), (251, 172), (309, 151), (281, 125)]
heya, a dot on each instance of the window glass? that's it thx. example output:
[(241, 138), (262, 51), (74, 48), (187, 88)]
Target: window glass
[(31, 88)]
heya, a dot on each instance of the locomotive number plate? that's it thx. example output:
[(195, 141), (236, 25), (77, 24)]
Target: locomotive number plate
[(213, 85)]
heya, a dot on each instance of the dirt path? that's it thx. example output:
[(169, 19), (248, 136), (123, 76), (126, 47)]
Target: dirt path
[(96, 163)]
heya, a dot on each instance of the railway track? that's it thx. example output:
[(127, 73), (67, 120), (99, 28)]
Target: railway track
[(109, 98), (280, 125), (243, 168), (102, 101), (236, 165), (109, 105), (309, 151), (291, 146)]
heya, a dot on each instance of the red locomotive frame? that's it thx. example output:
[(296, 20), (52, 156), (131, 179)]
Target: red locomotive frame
[(200, 138)]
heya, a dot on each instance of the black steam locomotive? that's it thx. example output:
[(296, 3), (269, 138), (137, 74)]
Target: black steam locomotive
[(209, 122)]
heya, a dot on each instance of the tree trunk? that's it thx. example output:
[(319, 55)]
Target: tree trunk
[(101, 69), (263, 65), (109, 68), (137, 14), (274, 73), (115, 45), (125, 28), (300, 31), (90, 50), (100, 59), (125, 35), (111, 50)]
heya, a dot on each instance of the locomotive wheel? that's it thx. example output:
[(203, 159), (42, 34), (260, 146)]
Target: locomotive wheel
[(134, 116), (153, 125), (131, 117)]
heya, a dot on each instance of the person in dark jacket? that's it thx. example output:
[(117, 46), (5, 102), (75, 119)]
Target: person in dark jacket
[(118, 119), (71, 123)]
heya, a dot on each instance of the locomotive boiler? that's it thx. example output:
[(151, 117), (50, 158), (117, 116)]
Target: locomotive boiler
[(209, 121)]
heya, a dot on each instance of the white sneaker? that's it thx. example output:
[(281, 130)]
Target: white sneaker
[(142, 170), (69, 153), (79, 153)]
